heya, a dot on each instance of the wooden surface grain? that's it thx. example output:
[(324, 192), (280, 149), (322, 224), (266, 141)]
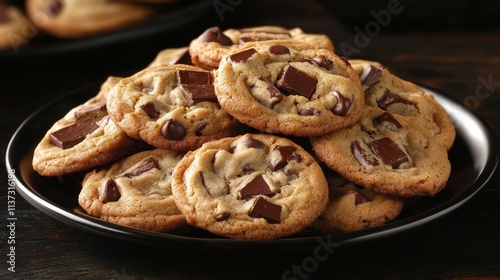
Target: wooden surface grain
[(462, 244)]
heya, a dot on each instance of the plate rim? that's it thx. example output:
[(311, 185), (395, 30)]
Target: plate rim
[(103, 228)]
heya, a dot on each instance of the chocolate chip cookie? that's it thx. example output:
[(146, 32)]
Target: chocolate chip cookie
[(392, 94), (135, 192), (84, 138), (207, 50), (15, 28), (387, 153), (253, 186), (170, 107), (289, 88)]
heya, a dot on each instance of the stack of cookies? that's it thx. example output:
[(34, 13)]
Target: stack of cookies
[(255, 133)]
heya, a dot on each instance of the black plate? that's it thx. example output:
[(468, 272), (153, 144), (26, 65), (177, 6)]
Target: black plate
[(171, 17), (474, 157)]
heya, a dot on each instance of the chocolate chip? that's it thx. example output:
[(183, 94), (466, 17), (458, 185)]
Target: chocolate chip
[(323, 62), (214, 34), (390, 98), (345, 60), (359, 197), (388, 121), (309, 112), (195, 94), (287, 154), (193, 77), (343, 104), (92, 111), (150, 110), (69, 136), (254, 143), (52, 7), (246, 39), (275, 94), (200, 127), (181, 58), (389, 152), (265, 209), (109, 192), (222, 217), (279, 49), (361, 155), (242, 56), (294, 81), (173, 130), (370, 76), (144, 166), (257, 186)]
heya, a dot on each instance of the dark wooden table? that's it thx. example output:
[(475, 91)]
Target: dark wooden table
[(462, 244)]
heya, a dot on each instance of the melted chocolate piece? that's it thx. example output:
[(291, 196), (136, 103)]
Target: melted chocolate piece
[(359, 197), (370, 76), (52, 8), (323, 62), (195, 94), (361, 155), (150, 110), (288, 153), (173, 130), (242, 56), (193, 77), (222, 191), (279, 49), (294, 81), (254, 143), (257, 186), (222, 217), (390, 98), (182, 58), (267, 210), (69, 136), (246, 39), (345, 60), (275, 94), (199, 128), (110, 192), (388, 121), (95, 110), (389, 152), (343, 104), (309, 112), (214, 34), (144, 166)]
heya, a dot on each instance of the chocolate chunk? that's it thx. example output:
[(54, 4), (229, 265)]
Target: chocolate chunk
[(150, 110), (194, 77), (389, 152), (361, 155), (359, 197), (254, 143), (288, 153), (69, 136), (390, 98), (173, 130), (294, 81), (246, 39), (345, 60), (222, 217), (195, 94), (214, 34), (309, 112), (242, 56), (257, 186), (343, 104), (109, 192), (181, 58), (200, 127), (267, 210), (323, 62), (275, 94), (4, 17), (279, 49), (52, 7), (94, 111), (370, 76), (388, 120), (144, 166)]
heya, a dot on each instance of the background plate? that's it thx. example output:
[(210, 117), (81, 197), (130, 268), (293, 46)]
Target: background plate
[(474, 157)]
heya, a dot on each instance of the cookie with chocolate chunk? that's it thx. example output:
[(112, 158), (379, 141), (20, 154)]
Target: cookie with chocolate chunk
[(15, 28), (84, 138), (207, 50), (170, 107), (387, 153), (352, 207), (79, 18), (135, 192), (289, 88), (397, 96), (253, 186)]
